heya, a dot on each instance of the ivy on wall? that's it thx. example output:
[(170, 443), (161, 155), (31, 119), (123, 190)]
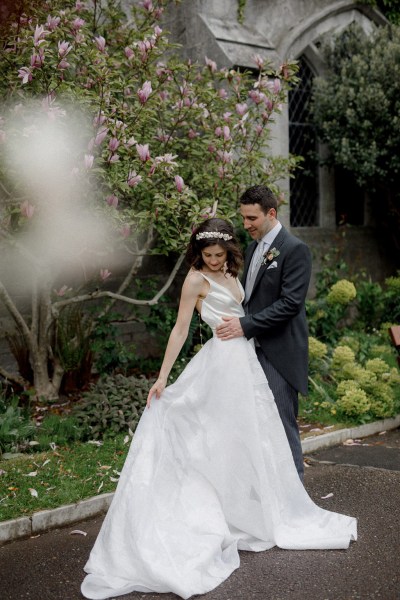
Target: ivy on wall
[(240, 10)]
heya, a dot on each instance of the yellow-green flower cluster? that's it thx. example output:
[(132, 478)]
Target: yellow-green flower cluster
[(342, 355), (342, 292), (377, 366), (378, 350), (354, 402), (317, 350), (382, 399), (351, 342), (364, 389)]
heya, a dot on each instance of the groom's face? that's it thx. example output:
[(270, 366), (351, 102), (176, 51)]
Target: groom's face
[(256, 221)]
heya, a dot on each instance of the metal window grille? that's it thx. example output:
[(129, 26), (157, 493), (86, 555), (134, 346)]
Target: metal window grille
[(304, 193)]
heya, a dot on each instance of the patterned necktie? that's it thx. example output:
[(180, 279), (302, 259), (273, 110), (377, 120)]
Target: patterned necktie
[(255, 263)]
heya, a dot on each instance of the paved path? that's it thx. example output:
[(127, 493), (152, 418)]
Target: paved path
[(49, 567)]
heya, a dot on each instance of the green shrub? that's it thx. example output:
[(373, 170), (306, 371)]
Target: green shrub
[(16, 428), (112, 405), (60, 430)]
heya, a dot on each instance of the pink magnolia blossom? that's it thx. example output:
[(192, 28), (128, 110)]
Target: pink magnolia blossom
[(129, 53), (131, 142), (158, 12), (211, 65), (39, 35), (100, 136), (224, 156), (147, 5), (113, 144), (99, 120), (226, 132), (277, 86), (241, 108), (163, 95), (222, 93), (258, 61), (114, 158), (79, 5), (112, 201), (227, 116), (63, 49), (179, 183), (62, 291), (274, 86), (144, 92), (25, 74), (257, 96), (162, 136), (120, 125), (134, 179), (268, 104), (210, 211), (88, 161), (284, 70), (218, 131), (37, 60), (125, 230), (143, 152), (167, 159), (192, 134), (63, 64), (157, 31), (77, 23), (259, 129), (52, 22), (211, 148), (104, 274), (100, 43), (27, 209)]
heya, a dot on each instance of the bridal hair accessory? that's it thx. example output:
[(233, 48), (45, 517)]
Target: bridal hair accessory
[(204, 235)]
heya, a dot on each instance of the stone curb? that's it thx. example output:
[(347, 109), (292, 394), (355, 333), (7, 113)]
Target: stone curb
[(45, 520), (325, 440)]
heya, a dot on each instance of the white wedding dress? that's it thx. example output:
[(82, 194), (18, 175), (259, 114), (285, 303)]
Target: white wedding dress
[(209, 472)]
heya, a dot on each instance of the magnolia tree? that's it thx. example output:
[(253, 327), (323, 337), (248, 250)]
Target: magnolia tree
[(113, 148)]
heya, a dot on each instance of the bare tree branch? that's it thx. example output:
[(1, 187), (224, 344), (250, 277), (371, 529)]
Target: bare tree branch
[(169, 280), (16, 315), (107, 294)]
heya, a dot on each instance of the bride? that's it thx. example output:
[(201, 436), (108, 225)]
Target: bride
[(209, 471)]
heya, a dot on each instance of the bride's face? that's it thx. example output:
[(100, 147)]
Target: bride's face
[(214, 257)]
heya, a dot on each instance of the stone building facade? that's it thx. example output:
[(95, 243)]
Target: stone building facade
[(318, 198)]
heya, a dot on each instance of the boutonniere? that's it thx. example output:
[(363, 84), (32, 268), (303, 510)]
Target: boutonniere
[(269, 256)]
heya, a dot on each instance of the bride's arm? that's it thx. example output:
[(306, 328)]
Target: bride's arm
[(191, 290)]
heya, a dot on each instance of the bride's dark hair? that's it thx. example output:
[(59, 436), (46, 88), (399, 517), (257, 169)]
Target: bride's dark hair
[(225, 238)]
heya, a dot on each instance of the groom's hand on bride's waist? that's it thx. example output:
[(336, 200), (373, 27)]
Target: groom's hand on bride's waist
[(229, 329)]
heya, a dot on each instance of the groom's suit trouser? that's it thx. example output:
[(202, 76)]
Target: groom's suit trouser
[(287, 402)]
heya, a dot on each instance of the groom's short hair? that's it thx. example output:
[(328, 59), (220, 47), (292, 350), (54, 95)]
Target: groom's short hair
[(262, 195)]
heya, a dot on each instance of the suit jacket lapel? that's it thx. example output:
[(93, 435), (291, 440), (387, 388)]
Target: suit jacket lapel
[(277, 243)]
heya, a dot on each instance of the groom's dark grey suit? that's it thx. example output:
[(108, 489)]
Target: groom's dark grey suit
[(276, 318)]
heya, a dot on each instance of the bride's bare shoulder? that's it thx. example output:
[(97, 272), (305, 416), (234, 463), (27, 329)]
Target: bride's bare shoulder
[(194, 279)]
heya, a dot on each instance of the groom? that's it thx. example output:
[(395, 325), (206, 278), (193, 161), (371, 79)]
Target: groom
[(276, 277)]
